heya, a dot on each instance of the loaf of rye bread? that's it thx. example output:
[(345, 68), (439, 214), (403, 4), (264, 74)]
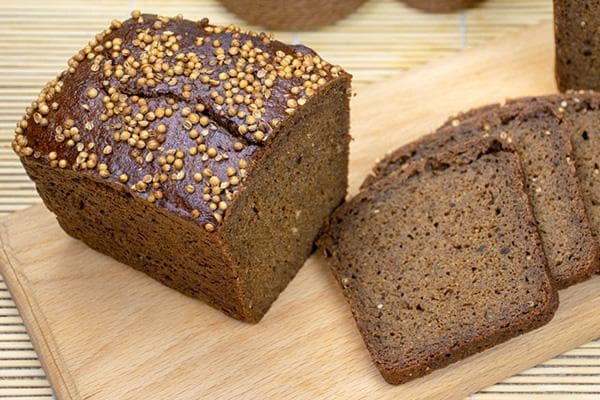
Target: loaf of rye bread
[(290, 15), (440, 6), (205, 156), (441, 259), (577, 45), (543, 142)]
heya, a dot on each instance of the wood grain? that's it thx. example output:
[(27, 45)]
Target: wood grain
[(105, 331)]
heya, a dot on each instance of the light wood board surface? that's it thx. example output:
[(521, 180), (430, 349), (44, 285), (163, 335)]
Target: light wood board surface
[(105, 331)]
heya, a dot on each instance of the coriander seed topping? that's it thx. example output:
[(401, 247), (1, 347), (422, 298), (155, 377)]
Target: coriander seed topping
[(164, 104), (92, 93), (209, 227)]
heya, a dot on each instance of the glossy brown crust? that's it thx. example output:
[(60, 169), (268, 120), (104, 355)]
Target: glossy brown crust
[(495, 120), (577, 54), (440, 6), (280, 79), (393, 357), (291, 14)]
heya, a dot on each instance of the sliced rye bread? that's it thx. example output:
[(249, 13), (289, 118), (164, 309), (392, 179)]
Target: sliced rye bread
[(441, 259), (542, 139), (580, 112)]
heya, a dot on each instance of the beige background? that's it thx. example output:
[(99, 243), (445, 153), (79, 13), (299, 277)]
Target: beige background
[(383, 38)]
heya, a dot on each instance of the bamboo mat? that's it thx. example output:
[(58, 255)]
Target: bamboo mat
[(383, 37)]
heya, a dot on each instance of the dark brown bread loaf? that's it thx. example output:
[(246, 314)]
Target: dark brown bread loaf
[(441, 259), (543, 142), (440, 6), (576, 24), (204, 156), (291, 14)]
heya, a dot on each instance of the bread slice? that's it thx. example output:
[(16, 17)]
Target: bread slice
[(580, 111), (441, 260), (580, 114), (542, 140)]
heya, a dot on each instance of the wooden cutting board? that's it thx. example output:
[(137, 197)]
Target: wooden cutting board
[(105, 331)]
